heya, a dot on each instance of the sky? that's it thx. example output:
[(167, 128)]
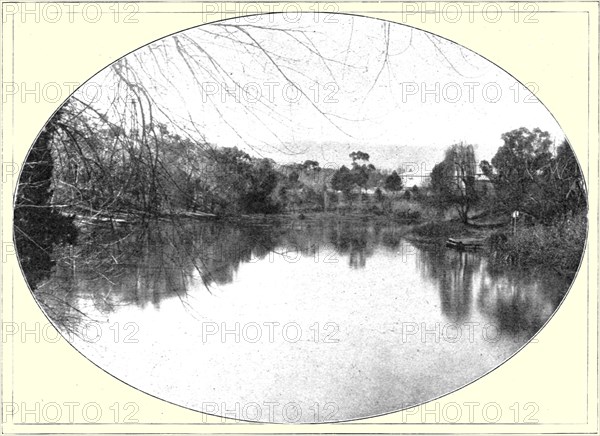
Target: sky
[(317, 87)]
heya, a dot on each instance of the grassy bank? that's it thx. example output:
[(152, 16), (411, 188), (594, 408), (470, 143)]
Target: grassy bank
[(391, 211), (438, 232), (558, 245)]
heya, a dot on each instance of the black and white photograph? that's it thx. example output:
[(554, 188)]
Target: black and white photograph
[(300, 218)]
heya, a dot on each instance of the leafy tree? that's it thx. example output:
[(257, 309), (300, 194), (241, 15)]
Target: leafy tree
[(343, 180), (262, 182), (379, 195), (570, 192), (376, 178), (241, 183), (559, 188), (311, 165), (360, 175), (393, 182), (293, 177), (311, 198), (453, 180), (415, 192), (359, 156), (520, 170), (361, 172)]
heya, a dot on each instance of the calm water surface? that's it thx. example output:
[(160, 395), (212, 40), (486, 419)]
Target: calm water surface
[(292, 322)]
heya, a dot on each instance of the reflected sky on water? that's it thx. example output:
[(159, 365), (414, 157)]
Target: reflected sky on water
[(342, 319)]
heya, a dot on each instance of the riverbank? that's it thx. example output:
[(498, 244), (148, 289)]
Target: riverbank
[(438, 232), (415, 227), (558, 245)]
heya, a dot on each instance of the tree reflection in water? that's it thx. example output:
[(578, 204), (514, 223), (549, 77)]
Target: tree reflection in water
[(520, 301), (145, 265), (453, 274), (514, 301)]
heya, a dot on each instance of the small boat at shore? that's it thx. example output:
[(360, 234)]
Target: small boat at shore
[(463, 244)]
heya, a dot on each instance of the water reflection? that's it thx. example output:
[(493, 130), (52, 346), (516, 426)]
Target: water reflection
[(519, 302), (366, 279), (453, 273), (515, 302), (141, 267)]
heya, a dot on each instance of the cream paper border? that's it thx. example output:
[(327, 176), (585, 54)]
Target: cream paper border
[(49, 47)]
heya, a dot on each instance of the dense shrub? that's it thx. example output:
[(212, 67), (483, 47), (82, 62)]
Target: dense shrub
[(558, 245), (407, 215)]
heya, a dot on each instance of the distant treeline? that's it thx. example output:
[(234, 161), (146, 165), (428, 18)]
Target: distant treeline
[(104, 169), (84, 165)]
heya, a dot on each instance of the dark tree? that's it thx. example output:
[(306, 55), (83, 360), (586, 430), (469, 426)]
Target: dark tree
[(293, 177), (393, 182), (343, 180), (379, 195), (360, 175), (560, 186), (361, 172), (571, 191), (518, 169), (453, 180), (37, 225), (311, 165), (263, 180), (359, 155)]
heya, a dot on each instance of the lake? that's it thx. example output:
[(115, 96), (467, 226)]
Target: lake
[(291, 321)]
